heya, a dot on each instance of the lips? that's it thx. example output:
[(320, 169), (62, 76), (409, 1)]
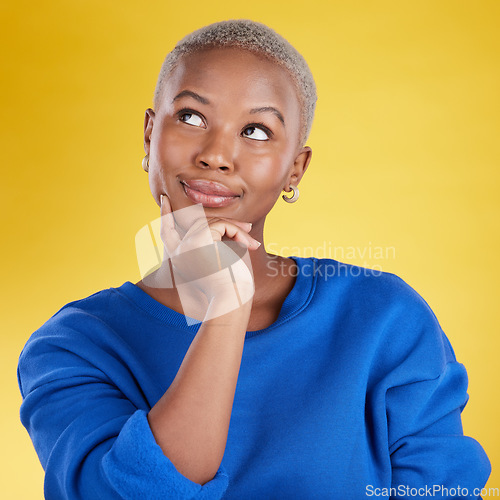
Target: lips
[(209, 193), (209, 187)]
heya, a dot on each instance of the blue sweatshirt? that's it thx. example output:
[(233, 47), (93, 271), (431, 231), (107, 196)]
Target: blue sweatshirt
[(353, 390)]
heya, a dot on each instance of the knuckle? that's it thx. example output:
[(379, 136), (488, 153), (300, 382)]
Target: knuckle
[(216, 231), (214, 220)]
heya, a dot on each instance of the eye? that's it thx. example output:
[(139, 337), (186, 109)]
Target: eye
[(258, 133), (191, 118)]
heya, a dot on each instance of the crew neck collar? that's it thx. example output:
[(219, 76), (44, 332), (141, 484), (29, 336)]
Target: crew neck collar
[(298, 299)]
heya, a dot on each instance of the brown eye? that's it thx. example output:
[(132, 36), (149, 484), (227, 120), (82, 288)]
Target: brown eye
[(255, 133), (191, 119)]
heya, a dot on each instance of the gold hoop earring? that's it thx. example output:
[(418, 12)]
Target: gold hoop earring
[(295, 195), (145, 163)]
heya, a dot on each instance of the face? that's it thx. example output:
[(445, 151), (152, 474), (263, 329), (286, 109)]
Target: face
[(225, 134)]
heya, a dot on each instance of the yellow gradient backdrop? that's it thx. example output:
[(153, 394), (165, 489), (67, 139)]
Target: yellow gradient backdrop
[(404, 176)]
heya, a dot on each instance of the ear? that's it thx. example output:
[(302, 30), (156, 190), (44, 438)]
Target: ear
[(299, 167), (148, 128)]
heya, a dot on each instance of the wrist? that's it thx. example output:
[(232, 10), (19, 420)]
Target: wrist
[(225, 302), (232, 293)]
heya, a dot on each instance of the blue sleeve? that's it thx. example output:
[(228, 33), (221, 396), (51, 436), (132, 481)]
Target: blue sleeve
[(427, 445), (422, 396), (92, 440)]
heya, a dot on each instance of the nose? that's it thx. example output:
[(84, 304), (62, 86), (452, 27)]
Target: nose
[(217, 152)]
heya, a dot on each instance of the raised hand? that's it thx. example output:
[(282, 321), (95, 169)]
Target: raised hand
[(208, 256)]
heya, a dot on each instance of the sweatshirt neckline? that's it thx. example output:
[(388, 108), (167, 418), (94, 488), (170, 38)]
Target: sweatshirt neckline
[(297, 300)]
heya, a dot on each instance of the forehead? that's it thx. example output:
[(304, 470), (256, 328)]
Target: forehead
[(240, 77)]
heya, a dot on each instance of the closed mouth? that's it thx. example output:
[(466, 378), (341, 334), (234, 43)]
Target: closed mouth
[(210, 188), (209, 194)]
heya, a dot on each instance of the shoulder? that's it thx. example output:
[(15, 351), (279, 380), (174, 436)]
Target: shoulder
[(372, 287), (75, 314), (380, 311), (77, 332)]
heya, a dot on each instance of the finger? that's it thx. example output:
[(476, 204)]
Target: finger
[(168, 232), (187, 216), (206, 232), (197, 235), (214, 228), (200, 232), (195, 228), (223, 228), (247, 226)]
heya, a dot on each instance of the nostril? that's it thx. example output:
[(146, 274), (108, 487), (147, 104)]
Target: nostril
[(213, 165)]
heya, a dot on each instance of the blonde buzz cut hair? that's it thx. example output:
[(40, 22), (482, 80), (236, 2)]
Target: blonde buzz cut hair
[(254, 37)]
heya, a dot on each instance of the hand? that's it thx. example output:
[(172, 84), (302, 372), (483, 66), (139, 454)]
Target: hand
[(201, 260)]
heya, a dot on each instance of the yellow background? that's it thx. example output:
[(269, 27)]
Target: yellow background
[(406, 156)]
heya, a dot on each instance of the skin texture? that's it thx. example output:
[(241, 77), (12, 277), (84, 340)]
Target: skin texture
[(217, 140)]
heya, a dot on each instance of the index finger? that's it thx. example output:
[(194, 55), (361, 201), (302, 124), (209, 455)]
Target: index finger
[(169, 234)]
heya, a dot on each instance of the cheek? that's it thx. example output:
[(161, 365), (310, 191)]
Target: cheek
[(268, 173), (171, 152), (155, 183), (167, 157)]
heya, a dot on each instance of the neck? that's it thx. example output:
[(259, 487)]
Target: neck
[(267, 270), (265, 266)]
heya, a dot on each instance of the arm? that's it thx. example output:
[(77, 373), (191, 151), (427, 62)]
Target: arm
[(86, 412), (427, 445), (191, 421), (420, 396), (87, 418)]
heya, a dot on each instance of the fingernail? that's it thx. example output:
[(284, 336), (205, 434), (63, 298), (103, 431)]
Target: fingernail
[(249, 223), (161, 200), (258, 244)]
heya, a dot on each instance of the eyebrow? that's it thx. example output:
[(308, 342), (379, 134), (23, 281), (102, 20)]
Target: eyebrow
[(204, 100), (269, 109), (190, 93)]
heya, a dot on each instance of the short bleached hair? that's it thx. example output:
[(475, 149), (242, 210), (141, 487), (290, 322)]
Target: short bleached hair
[(257, 38)]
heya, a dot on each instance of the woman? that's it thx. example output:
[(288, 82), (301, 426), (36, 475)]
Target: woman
[(307, 378)]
